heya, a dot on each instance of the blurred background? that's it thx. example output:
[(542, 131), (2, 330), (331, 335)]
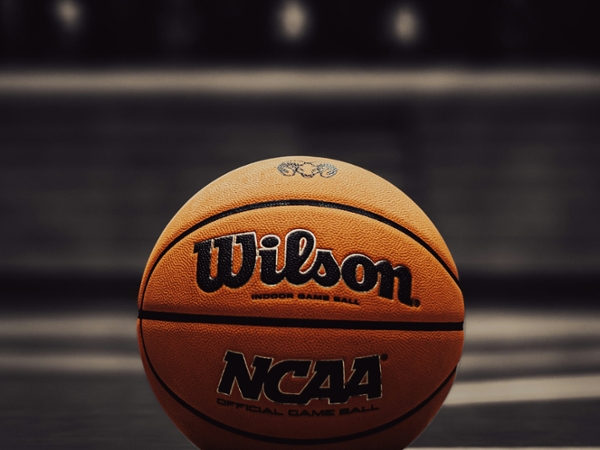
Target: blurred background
[(113, 113)]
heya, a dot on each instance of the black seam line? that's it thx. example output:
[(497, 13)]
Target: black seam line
[(292, 441), (286, 322), (300, 202)]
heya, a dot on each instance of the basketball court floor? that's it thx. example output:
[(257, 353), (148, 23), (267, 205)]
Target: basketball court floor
[(73, 379)]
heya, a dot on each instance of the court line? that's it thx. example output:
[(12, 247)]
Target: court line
[(64, 361), (540, 359), (69, 325), (49, 363), (520, 326), (383, 83), (517, 390)]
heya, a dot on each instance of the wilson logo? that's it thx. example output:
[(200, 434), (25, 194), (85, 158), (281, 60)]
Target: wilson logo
[(357, 271), (325, 379)]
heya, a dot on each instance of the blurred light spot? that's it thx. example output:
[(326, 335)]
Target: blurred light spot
[(293, 21), (69, 14), (406, 25)]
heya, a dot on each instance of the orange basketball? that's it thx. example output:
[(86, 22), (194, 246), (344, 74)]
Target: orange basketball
[(300, 303)]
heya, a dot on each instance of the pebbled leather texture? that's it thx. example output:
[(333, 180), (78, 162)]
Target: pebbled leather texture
[(349, 229)]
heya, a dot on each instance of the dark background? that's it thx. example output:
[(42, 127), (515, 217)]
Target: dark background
[(114, 113), (490, 124)]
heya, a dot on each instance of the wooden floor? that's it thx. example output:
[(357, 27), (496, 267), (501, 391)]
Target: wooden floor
[(73, 380)]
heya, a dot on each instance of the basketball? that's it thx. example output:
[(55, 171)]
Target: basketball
[(300, 302)]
